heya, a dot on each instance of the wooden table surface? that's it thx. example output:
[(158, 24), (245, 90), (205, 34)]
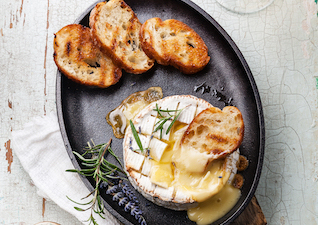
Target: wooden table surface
[(280, 46)]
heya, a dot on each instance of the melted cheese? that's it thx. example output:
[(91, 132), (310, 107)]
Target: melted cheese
[(190, 160), (161, 174), (201, 186), (217, 206), (194, 183), (132, 109)]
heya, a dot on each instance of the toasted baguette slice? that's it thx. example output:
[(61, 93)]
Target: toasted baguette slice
[(171, 42), (116, 27), (215, 132), (80, 60)]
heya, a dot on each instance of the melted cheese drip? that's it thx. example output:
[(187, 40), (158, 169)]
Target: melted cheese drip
[(130, 107), (216, 207), (201, 186)]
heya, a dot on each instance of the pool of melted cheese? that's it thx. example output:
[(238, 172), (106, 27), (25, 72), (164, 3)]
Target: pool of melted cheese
[(215, 207)]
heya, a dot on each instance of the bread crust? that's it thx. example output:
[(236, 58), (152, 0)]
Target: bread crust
[(80, 60), (115, 28), (172, 42)]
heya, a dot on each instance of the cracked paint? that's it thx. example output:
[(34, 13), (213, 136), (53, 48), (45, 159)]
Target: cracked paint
[(43, 206), (9, 156), (9, 104), (45, 51), (280, 46), (21, 7)]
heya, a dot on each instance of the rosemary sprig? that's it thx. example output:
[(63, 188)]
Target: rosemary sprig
[(136, 136), (102, 171), (163, 119), (106, 175)]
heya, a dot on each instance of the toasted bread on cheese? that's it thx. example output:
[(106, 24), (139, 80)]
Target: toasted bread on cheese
[(116, 27), (215, 132), (79, 59), (172, 42)]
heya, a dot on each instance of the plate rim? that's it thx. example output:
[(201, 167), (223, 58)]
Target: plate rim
[(256, 95)]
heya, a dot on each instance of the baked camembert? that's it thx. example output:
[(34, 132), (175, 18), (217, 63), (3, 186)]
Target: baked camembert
[(168, 170)]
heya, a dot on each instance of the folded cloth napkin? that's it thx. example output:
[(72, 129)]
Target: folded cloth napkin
[(41, 151)]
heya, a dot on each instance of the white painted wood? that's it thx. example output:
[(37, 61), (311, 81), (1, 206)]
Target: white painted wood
[(280, 46)]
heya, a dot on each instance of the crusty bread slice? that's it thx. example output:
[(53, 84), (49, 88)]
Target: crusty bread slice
[(172, 42), (216, 132), (116, 27), (79, 59)]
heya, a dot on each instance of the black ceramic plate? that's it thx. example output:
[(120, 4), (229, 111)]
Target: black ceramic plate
[(82, 110)]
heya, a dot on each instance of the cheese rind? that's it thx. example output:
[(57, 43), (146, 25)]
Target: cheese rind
[(145, 140), (146, 168), (146, 124), (134, 160), (157, 148), (189, 108)]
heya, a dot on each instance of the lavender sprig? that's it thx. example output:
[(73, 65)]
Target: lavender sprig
[(126, 198)]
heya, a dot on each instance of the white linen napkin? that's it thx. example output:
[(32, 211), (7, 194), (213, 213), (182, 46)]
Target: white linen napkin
[(41, 151)]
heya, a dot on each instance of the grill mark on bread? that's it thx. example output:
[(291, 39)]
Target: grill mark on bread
[(68, 48), (218, 138)]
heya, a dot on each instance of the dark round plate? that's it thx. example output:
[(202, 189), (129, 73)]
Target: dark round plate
[(227, 78)]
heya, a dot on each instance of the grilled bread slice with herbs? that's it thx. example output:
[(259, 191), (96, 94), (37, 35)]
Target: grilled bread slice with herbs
[(172, 42), (116, 27), (79, 59), (215, 132)]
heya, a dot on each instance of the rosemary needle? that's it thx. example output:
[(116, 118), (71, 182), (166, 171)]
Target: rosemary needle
[(136, 136)]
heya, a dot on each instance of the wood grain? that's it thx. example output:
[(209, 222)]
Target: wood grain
[(252, 215)]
